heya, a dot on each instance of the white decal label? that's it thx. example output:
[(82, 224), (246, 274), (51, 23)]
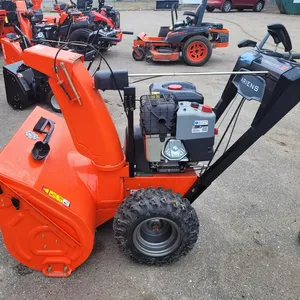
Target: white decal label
[(200, 122), (200, 129)]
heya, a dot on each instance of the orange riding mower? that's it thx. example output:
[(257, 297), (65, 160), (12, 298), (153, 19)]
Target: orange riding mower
[(60, 178), (191, 38)]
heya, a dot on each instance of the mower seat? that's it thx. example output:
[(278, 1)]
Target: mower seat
[(189, 13)]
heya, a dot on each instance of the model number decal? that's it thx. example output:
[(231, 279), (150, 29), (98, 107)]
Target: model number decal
[(200, 129)]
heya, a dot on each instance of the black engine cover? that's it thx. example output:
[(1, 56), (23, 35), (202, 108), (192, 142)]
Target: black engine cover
[(24, 86), (18, 86)]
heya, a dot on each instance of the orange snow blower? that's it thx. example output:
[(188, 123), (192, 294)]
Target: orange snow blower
[(61, 178)]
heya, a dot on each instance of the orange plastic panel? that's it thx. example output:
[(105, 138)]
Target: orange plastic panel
[(12, 51), (159, 56), (53, 229), (87, 117)]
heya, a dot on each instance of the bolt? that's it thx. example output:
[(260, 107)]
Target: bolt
[(2, 204), (56, 241), (65, 269), (43, 236), (49, 269), (45, 246)]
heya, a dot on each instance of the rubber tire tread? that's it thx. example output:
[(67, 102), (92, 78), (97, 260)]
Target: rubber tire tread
[(139, 58), (210, 8), (74, 36), (191, 40), (49, 96), (149, 203), (255, 9), (224, 5)]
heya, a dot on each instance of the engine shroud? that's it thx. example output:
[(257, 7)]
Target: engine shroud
[(177, 130)]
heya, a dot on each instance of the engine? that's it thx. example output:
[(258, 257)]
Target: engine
[(45, 31), (177, 128)]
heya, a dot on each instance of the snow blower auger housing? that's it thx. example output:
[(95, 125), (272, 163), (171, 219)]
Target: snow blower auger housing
[(60, 178), (192, 38)]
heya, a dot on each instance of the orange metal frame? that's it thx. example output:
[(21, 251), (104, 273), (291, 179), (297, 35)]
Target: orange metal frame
[(151, 42), (79, 186)]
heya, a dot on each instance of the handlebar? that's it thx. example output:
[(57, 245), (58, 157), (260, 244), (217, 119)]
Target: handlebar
[(260, 49), (73, 3), (128, 32), (110, 39), (292, 56)]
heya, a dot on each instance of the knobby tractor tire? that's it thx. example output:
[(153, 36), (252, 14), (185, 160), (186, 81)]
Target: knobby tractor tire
[(197, 51), (79, 35), (155, 226)]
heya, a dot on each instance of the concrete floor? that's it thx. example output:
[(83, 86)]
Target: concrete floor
[(250, 216)]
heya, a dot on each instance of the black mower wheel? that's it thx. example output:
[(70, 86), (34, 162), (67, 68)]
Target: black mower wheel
[(210, 8), (227, 6), (79, 35), (258, 7), (51, 100), (139, 54), (197, 51), (155, 226)]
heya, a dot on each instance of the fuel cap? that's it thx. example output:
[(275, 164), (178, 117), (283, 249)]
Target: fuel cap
[(195, 105), (175, 87)]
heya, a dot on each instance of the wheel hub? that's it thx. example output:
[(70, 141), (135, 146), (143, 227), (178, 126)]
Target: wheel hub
[(197, 51), (54, 102), (157, 237)]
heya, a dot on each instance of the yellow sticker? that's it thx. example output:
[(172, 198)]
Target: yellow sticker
[(57, 197), (155, 95), (6, 19)]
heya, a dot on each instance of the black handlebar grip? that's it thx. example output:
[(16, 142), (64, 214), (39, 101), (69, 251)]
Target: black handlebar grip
[(296, 55), (128, 32)]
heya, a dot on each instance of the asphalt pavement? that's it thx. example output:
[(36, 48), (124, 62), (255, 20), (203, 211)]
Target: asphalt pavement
[(250, 216)]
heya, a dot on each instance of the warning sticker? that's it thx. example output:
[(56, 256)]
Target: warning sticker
[(57, 197), (199, 129)]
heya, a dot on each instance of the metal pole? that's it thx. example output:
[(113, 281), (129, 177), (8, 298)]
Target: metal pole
[(198, 73)]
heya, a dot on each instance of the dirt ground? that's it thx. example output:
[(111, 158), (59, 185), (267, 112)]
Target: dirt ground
[(250, 216)]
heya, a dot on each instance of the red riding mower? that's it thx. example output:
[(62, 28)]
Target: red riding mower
[(48, 222), (105, 14), (194, 39)]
